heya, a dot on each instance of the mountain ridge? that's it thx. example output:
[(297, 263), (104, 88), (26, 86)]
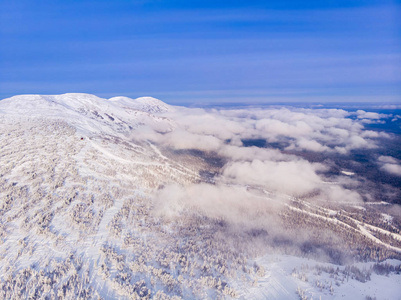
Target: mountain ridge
[(89, 113), (146, 104)]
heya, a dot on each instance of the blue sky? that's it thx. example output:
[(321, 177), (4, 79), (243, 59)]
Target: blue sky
[(203, 51)]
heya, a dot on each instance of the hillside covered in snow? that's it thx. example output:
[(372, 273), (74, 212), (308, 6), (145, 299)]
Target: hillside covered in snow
[(135, 199)]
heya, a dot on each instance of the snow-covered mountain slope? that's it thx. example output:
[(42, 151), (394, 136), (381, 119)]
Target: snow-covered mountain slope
[(70, 176), (88, 113), (79, 176), (146, 104)]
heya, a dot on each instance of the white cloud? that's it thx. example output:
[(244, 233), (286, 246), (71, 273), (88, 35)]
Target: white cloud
[(319, 130), (237, 153), (200, 121), (181, 139), (273, 170), (387, 159), (277, 127), (370, 134), (361, 114), (389, 164), (355, 142), (338, 133), (314, 130), (305, 129), (340, 195), (231, 203), (394, 169), (396, 117), (290, 177), (311, 145)]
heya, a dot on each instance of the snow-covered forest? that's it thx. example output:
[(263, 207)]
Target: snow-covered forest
[(135, 199)]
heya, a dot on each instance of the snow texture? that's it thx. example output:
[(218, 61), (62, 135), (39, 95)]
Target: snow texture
[(80, 184)]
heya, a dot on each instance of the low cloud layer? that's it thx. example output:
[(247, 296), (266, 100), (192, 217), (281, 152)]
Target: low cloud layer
[(390, 165), (277, 166), (233, 204), (296, 177), (323, 130)]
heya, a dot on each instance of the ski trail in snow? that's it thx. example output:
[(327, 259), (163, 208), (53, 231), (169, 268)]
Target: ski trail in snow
[(361, 229), (394, 235), (158, 152)]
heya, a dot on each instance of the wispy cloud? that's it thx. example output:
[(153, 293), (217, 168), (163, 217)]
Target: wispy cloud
[(281, 170)]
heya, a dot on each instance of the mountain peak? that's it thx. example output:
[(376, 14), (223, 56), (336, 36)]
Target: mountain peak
[(77, 100), (147, 104), (86, 112)]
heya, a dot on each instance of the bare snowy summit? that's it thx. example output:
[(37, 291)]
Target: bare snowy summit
[(89, 113), (79, 101), (146, 104)]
